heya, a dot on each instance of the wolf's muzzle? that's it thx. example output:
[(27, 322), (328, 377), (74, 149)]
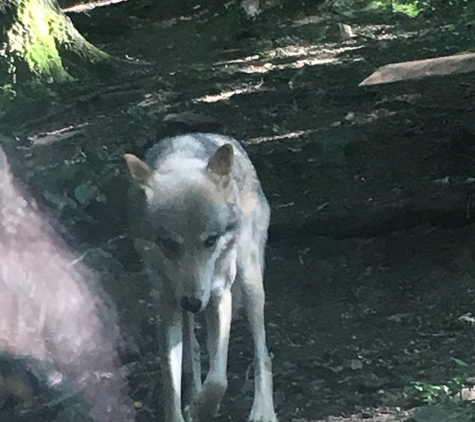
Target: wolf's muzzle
[(191, 304)]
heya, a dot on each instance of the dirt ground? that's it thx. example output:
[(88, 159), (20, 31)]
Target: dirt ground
[(371, 254)]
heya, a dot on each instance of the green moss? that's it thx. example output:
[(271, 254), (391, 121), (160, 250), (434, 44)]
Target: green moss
[(409, 7), (38, 35)]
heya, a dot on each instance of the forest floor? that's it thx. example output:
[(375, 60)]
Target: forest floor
[(371, 258)]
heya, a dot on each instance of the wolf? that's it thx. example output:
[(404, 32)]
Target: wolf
[(200, 219)]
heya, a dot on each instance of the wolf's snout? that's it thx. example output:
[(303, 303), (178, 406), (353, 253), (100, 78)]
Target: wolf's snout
[(191, 304)]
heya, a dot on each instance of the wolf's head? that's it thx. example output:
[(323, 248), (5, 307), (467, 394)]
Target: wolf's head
[(191, 208)]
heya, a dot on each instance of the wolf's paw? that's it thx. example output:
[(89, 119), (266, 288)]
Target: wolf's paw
[(187, 414), (209, 398), (262, 412)]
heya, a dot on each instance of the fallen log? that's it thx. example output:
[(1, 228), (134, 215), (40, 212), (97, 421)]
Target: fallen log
[(460, 63)]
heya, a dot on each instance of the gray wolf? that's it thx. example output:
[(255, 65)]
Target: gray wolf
[(200, 219), (51, 315)]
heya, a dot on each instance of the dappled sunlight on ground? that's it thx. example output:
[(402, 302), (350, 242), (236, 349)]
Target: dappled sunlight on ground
[(279, 137), (85, 7), (302, 57), (247, 89)]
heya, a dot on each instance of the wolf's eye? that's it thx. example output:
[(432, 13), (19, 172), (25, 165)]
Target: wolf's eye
[(170, 245), (231, 227), (211, 241)]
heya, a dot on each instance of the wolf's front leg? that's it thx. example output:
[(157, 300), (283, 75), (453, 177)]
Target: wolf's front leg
[(218, 322), (171, 350), (263, 406), (191, 366)]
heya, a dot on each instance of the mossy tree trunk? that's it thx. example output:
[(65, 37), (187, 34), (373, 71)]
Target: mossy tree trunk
[(37, 38)]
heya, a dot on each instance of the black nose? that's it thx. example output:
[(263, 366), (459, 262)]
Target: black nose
[(191, 304)]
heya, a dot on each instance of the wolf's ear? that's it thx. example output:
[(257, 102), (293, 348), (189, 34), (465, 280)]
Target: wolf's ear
[(140, 171), (222, 161)]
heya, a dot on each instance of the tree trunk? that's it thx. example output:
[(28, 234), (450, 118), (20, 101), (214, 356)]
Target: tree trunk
[(36, 37)]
